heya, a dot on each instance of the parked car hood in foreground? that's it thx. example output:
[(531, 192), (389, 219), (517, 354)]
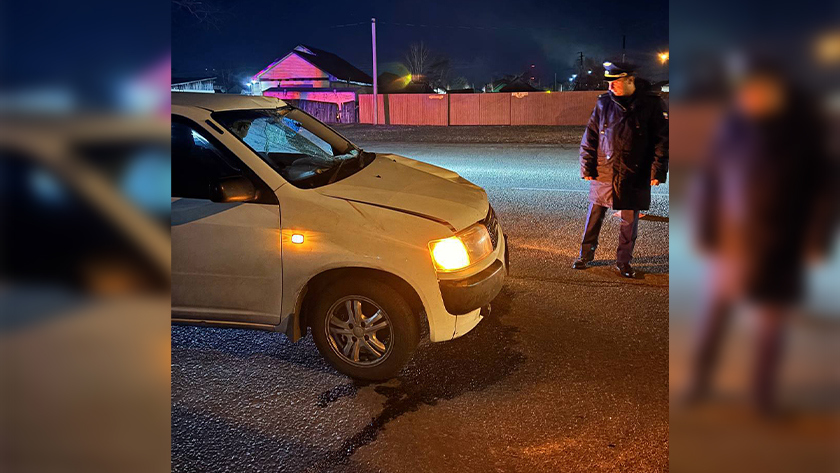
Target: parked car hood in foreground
[(416, 188)]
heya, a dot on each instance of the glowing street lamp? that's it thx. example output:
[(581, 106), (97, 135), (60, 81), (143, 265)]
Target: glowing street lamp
[(664, 57), (827, 48)]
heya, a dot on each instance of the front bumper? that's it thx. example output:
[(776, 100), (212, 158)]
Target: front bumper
[(466, 295)]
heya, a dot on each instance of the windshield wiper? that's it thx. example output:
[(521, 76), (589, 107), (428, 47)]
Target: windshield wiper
[(363, 152), (340, 164)]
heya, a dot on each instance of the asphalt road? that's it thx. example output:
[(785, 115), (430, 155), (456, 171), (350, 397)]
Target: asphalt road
[(569, 373)]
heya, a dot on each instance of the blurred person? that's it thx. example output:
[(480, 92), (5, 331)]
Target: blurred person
[(84, 237), (623, 152), (763, 207)]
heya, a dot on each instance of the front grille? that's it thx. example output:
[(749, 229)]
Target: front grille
[(492, 225)]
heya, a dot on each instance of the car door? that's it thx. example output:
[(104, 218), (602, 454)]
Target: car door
[(226, 256)]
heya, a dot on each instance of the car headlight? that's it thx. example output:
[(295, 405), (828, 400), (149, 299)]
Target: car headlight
[(459, 251)]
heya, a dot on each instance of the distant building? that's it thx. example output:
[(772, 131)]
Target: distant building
[(460, 91), (390, 83), (315, 80), (511, 84), (194, 84)]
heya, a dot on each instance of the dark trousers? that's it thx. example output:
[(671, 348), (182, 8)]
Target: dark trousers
[(626, 236), (717, 313)]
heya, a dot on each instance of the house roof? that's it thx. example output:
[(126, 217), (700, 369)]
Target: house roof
[(332, 64), (518, 86)]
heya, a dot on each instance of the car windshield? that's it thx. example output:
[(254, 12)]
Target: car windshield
[(306, 152)]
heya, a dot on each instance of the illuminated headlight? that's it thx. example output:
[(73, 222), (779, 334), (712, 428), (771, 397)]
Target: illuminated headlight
[(459, 251)]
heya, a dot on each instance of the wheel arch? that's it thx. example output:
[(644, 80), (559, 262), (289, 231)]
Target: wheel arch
[(308, 295)]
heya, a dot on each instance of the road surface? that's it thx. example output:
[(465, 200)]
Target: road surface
[(569, 373)]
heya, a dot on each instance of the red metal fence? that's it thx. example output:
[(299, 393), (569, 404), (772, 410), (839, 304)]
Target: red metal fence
[(518, 108)]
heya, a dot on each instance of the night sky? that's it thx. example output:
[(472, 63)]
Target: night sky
[(483, 39)]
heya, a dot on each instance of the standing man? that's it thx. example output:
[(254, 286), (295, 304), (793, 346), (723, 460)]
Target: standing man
[(623, 152)]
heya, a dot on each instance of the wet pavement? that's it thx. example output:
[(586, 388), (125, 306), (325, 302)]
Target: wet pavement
[(568, 373)]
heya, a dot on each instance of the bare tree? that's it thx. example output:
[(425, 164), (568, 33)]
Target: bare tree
[(205, 11), (459, 83), (417, 58), (227, 79), (426, 67)]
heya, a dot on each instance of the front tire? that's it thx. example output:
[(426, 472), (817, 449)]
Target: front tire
[(365, 329)]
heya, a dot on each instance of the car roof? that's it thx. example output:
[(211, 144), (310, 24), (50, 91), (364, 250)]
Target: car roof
[(220, 102)]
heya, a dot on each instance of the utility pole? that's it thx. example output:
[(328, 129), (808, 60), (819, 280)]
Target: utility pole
[(555, 82), (375, 91), (577, 84), (623, 47)]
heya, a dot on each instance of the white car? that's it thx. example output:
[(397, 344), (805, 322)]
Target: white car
[(280, 223)]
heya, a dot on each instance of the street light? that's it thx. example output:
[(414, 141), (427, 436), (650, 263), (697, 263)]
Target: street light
[(664, 57), (827, 48)]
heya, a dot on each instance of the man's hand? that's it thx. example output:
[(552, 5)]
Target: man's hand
[(654, 182), (587, 178)]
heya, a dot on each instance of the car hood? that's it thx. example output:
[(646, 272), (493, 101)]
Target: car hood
[(416, 188)]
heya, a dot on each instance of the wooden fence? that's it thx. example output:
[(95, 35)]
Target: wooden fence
[(327, 112), (517, 108)]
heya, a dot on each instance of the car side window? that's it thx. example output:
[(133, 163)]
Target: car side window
[(196, 163), (42, 207)]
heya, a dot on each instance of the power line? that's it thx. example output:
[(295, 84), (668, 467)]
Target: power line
[(461, 27), (646, 24), (349, 24)]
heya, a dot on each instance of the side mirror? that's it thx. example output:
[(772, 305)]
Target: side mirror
[(233, 189)]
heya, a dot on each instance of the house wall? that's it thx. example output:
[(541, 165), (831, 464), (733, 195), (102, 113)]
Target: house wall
[(315, 96), (292, 67), (267, 84), (315, 84)]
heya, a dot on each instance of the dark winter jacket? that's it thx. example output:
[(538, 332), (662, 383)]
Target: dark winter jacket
[(624, 148), (767, 198)]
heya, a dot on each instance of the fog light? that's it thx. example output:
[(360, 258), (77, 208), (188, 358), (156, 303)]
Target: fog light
[(297, 238)]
